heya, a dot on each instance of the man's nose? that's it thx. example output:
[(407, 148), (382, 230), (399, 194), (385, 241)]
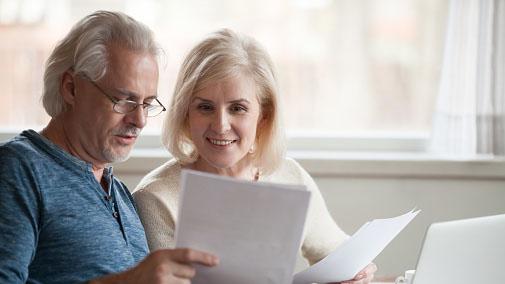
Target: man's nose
[(137, 117)]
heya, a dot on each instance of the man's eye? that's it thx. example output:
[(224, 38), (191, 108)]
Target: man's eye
[(148, 106), (125, 102)]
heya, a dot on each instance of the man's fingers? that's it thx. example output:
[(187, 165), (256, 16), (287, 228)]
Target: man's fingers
[(175, 265), (195, 256), (184, 271), (185, 255), (176, 280)]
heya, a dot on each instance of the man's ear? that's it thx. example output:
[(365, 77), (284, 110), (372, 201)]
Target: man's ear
[(67, 87)]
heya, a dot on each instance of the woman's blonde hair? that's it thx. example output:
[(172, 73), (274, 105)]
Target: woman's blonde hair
[(223, 55)]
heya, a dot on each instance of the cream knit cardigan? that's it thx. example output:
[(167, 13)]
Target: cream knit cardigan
[(157, 197)]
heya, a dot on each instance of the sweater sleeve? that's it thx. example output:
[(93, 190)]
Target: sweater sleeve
[(157, 213), (322, 234)]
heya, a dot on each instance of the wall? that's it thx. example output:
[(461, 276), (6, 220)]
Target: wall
[(353, 201)]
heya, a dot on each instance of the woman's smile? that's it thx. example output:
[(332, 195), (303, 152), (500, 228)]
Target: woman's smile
[(221, 142)]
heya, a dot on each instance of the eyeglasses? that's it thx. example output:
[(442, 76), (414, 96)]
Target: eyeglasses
[(127, 106)]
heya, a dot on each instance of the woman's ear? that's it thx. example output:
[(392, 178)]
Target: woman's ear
[(67, 87)]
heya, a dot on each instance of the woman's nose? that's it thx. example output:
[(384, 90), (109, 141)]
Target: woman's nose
[(221, 123)]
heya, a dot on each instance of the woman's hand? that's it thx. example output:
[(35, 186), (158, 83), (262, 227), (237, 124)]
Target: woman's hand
[(365, 276)]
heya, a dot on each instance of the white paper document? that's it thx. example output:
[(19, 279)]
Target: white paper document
[(254, 228), (356, 252)]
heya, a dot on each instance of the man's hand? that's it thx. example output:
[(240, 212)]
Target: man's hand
[(167, 266)]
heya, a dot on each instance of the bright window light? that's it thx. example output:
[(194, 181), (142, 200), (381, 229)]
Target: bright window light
[(344, 66)]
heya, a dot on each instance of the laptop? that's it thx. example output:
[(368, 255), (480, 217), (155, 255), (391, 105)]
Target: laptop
[(463, 251)]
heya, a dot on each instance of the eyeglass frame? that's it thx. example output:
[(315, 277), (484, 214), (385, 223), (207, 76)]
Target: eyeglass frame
[(115, 101)]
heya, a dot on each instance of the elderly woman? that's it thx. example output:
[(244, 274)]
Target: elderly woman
[(224, 119)]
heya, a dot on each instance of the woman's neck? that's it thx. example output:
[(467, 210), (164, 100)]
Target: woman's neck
[(241, 170)]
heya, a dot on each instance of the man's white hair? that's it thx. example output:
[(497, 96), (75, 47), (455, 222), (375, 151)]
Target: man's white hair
[(85, 51)]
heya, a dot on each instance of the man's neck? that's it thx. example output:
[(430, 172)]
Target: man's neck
[(57, 133)]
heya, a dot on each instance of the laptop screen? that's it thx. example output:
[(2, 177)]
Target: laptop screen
[(463, 251)]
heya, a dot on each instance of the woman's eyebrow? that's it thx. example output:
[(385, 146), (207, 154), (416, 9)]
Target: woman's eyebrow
[(239, 101), (201, 99)]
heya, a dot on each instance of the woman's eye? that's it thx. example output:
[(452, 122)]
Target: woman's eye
[(204, 107), (238, 108)]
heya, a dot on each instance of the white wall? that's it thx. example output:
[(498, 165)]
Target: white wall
[(360, 190)]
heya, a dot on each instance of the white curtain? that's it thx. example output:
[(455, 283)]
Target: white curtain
[(469, 119)]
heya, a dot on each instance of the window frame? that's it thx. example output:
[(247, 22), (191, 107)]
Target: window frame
[(385, 155)]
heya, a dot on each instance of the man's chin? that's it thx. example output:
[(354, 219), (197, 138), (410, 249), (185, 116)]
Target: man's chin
[(120, 159), (116, 156)]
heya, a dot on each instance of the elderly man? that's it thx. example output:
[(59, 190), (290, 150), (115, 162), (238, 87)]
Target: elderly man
[(64, 217)]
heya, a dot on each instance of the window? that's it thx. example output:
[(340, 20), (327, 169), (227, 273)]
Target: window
[(343, 65)]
